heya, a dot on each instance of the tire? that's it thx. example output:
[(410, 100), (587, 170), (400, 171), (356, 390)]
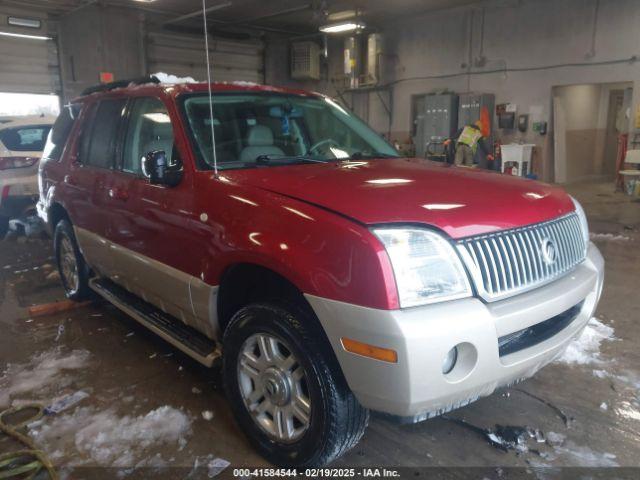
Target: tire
[(336, 421), (68, 255)]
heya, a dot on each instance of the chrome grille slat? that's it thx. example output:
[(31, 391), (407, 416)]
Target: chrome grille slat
[(512, 261), (531, 250)]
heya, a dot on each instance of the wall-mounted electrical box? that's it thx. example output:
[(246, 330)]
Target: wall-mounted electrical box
[(436, 119), (474, 107), (305, 61), (540, 127), (523, 122)]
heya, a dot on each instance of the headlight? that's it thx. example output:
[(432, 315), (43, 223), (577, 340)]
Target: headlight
[(426, 267), (584, 225)]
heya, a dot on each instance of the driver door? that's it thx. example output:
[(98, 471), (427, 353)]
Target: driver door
[(153, 236)]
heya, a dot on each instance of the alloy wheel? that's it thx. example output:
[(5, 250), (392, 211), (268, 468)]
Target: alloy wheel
[(274, 387), (69, 264)]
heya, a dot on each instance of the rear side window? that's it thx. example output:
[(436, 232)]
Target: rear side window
[(29, 138), (100, 150)]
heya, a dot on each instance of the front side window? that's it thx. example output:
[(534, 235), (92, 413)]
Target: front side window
[(25, 139), (257, 129), (99, 148), (149, 130)]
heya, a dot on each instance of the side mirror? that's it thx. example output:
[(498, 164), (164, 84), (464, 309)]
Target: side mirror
[(160, 171)]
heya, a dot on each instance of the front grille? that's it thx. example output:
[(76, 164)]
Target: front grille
[(513, 261), (538, 333)]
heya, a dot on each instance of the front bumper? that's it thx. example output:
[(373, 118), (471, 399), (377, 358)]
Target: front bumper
[(415, 386)]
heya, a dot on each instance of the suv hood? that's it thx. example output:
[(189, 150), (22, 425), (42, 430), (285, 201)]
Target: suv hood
[(461, 201)]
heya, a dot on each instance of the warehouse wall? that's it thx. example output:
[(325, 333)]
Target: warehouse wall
[(98, 39), (524, 50)]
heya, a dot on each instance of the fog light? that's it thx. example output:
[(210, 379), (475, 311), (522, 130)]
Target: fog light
[(450, 360)]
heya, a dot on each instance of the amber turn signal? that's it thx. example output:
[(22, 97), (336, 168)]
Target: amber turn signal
[(371, 351)]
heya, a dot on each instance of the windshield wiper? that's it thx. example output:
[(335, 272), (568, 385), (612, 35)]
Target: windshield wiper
[(283, 159), (364, 156)]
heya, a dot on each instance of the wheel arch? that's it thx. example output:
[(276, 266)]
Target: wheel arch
[(239, 285), (245, 282), (56, 212)]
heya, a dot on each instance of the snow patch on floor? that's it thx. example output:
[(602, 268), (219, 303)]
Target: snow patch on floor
[(570, 453), (610, 237), (585, 457), (45, 371), (91, 437), (586, 348)]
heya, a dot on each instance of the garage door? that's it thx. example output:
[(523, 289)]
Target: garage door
[(183, 55), (28, 65)]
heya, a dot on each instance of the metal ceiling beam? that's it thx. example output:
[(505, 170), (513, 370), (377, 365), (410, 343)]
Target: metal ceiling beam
[(279, 13), (197, 13)]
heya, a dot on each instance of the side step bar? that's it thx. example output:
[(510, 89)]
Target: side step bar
[(171, 329)]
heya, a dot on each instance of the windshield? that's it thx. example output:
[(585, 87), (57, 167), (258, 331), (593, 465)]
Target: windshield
[(257, 129)]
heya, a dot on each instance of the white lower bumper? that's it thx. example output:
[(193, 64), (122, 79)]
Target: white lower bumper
[(415, 386), (18, 186)]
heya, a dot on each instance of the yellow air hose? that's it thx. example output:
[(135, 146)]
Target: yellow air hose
[(27, 463)]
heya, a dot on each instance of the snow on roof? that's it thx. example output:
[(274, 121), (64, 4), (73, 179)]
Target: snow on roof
[(172, 79)]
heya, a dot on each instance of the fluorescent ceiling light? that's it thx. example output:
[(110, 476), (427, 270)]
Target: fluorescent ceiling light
[(342, 27), (22, 35), (24, 22), (144, 1), (343, 15)]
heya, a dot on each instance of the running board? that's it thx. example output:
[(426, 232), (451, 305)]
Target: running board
[(171, 329)]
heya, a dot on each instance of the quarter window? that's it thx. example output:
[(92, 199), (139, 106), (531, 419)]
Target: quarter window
[(60, 132), (149, 130)]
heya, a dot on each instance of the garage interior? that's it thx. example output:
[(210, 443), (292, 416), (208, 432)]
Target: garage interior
[(558, 82)]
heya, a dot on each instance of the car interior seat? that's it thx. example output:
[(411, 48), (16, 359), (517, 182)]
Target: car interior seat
[(161, 139), (259, 142)]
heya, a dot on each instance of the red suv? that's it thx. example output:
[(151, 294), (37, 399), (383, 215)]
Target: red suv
[(333, 277)]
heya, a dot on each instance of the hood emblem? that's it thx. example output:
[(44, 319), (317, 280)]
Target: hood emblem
[(549, 251)]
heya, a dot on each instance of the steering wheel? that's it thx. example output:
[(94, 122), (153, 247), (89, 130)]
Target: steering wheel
[(327, 141)]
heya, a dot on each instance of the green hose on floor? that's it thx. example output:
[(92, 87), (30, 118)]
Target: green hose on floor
[(27, 463)]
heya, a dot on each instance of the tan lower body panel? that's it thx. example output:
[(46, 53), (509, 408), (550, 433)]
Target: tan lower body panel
[(174, 292)]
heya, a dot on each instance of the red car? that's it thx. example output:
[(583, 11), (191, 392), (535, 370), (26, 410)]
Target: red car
[(331, 275)]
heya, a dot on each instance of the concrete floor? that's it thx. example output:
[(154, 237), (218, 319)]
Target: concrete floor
[(587, 414)]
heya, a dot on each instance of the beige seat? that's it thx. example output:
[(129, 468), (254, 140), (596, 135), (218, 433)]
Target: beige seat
[(259, 142)]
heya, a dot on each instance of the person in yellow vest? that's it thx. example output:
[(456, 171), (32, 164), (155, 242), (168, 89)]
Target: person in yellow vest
[(469, 139)]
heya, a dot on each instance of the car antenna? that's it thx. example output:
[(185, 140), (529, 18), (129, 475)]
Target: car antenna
[(206, 47)]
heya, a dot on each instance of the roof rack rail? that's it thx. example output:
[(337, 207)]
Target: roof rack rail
[(106, 87)]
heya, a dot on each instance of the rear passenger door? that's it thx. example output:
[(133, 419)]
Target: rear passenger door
[(89, 172)]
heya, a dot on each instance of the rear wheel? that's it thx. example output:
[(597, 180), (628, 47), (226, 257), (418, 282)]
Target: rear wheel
[(285, 388), (71, 265), (4, 226)]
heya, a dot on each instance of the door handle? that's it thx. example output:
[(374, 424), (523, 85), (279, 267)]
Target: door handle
[(118, 194)]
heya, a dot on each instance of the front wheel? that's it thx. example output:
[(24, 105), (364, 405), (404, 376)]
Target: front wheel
[(286, 390)]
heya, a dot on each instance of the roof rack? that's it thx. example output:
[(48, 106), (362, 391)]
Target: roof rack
[(106, 87)]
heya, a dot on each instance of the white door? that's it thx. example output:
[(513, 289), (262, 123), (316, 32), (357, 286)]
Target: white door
[(183, 55), (29, 65)]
